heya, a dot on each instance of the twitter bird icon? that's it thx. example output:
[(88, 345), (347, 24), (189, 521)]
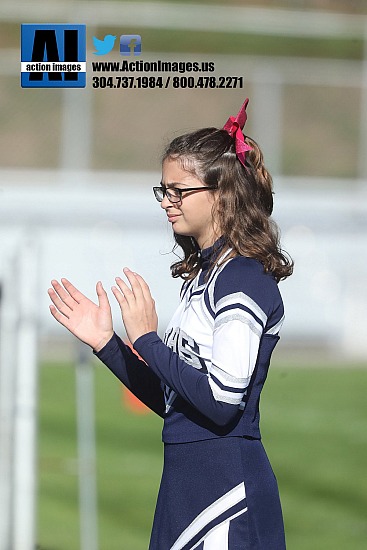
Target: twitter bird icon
[(104, 46)]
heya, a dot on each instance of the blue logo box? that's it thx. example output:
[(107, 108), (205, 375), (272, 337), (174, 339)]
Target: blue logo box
[(53, 56), (130, 44)]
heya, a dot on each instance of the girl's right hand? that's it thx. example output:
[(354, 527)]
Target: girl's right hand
[(89, 322)]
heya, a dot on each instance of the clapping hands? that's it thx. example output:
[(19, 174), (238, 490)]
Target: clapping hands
[(92, 323)]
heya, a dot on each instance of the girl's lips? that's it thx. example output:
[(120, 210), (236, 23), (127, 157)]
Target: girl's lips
[(173, 218)]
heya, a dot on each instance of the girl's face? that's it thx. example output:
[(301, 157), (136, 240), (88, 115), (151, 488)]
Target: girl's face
[(193, 215)]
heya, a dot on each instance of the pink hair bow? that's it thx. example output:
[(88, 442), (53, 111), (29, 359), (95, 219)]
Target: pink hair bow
[(234, 127)]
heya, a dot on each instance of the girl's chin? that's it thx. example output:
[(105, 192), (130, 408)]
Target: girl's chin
[(181, 233)]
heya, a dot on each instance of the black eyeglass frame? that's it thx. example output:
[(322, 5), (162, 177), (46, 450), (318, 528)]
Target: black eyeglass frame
[(166, 191)]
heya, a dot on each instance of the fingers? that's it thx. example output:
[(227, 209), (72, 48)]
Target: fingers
[(144, 287), (134, 293), (59, 305), (127, 297), (102, 297), (65, 298), (72, 290), (64, 295), (134, 282), (119, 297), (59, 317)]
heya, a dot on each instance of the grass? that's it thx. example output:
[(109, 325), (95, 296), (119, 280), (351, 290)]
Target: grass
[(313, 424), (314, 429)]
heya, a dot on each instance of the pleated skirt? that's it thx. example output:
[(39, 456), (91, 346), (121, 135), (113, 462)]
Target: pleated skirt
[(217, 494)]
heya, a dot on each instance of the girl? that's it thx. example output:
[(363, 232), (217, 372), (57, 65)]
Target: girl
[(205, 377)]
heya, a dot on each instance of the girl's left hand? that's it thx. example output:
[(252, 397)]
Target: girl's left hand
[(136, 304)]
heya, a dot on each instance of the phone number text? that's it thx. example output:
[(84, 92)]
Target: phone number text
[(181, 82)]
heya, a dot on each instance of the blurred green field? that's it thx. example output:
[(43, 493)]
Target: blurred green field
[(314, 429)]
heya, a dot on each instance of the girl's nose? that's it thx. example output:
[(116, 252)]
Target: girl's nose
[(165, 202)]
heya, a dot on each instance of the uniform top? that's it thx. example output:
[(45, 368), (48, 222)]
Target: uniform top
[(206, 376)]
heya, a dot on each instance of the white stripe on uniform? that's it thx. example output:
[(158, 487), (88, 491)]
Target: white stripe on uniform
[(233, 497)]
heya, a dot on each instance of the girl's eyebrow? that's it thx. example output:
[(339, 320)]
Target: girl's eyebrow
[(173, 184)]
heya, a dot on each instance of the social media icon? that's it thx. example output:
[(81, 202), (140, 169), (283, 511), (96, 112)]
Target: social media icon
[(104, 46), (130, 44)]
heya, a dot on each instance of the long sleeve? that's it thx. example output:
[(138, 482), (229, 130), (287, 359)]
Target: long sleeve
[(133, 373), (237, 306), (188, 382)]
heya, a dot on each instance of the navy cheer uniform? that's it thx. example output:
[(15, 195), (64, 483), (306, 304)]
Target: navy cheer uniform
[(218, 491)]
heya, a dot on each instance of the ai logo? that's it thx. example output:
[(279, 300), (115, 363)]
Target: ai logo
[(53, 56)]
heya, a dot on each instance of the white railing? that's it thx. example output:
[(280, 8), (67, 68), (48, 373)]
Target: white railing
[(89, 231)]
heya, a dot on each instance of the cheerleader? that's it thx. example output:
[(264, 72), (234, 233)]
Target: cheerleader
[(205, 377)]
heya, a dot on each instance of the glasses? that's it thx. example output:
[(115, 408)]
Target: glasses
[(175, 195)]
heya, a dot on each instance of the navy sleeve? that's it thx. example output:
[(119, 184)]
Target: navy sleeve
[(133, 373), (245, 303), (185, 380)]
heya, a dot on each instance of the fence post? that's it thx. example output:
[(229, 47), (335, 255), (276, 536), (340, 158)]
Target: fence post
[(267, 120), (362, 155), (26, 386), (86, 450), (8, 328)]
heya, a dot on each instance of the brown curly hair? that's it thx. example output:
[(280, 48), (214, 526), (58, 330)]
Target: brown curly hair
[(244, 205)]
